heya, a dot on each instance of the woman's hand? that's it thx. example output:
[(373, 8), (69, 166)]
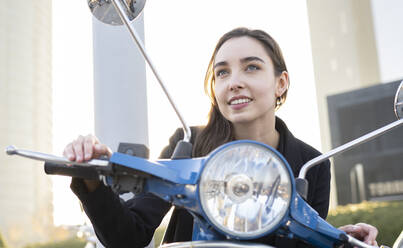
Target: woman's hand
[(85, 148), (363, 232)]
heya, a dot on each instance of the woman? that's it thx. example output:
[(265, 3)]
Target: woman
[(247, 80)]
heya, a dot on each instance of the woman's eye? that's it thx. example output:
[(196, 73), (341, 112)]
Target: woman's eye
[(252, 68), (221, 73)]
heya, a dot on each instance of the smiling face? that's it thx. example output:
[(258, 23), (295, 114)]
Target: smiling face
[(245, 86)]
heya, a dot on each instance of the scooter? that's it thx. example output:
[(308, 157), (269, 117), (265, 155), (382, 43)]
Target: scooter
[(242, 190)]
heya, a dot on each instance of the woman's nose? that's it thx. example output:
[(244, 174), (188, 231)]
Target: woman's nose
[(236, 83)]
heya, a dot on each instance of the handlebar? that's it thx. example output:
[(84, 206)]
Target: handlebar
[(71, 170)]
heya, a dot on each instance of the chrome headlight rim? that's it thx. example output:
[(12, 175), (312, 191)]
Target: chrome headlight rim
[(291, 179)]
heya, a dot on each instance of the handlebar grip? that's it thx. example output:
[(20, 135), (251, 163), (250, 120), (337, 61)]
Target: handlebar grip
[(71, 171)]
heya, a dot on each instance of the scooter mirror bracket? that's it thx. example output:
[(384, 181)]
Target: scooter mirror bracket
[(183, 150)]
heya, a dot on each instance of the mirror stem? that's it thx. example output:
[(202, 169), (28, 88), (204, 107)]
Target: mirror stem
[(347, 146), (120, 8)]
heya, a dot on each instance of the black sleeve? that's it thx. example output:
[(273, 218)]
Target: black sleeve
[(319, 188), (124, 224), (118, 223)]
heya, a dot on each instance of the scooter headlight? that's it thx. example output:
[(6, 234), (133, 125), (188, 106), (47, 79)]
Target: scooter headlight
[(245, 189)]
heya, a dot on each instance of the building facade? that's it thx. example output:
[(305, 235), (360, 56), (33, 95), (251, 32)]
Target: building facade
[(25, 119)]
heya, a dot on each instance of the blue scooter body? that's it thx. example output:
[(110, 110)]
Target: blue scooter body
[(176, 181)]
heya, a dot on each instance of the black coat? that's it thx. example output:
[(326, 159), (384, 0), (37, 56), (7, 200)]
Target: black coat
[(132, 224)]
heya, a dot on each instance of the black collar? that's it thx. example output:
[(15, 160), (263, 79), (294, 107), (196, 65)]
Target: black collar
[(288, 146)]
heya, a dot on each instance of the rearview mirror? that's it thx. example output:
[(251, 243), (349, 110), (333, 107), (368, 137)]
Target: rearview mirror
[(105, 11), (398, 105)]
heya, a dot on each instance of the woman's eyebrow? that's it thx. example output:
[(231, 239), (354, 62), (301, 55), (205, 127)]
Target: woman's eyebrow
[(223, 63), (243, 61), (251, 58)]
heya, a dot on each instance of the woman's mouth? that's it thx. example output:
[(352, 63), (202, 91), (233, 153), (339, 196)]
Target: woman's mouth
[(239, 103)]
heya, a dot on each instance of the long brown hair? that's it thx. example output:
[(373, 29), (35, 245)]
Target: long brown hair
[(219, 130)]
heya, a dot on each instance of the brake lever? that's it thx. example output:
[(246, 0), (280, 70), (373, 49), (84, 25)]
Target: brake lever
[(48, 158), (355, 242)]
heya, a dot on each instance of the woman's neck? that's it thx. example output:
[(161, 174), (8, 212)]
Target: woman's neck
[(262, 132)]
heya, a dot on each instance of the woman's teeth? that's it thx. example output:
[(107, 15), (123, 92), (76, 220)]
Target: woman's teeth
[(240, 101)]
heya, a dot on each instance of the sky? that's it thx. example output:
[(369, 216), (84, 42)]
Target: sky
[(180, 37)]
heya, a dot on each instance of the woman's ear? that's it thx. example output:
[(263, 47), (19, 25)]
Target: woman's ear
[(282, 84)]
